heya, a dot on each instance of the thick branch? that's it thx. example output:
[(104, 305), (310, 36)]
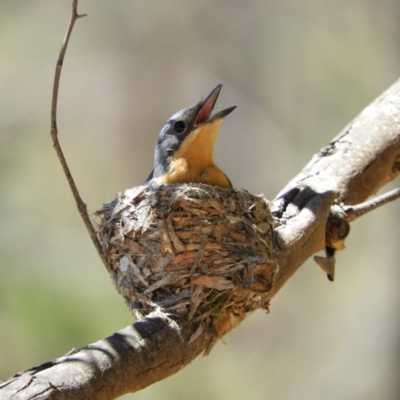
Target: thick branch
[(127, 361), (352, 167)]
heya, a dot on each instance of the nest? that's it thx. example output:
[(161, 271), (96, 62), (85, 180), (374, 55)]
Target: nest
[(195, 251)]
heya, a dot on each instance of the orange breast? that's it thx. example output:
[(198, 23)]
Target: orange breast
[(182, 174), (193, 161)]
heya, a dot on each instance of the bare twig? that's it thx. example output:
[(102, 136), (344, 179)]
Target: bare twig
[(353, 212), (54, 132)]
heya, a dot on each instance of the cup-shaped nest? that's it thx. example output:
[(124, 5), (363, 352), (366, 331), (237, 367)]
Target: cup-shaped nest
[(195, 251)]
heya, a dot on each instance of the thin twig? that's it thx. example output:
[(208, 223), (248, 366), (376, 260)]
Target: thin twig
[(353, 212), (199, 255), (198, 258), (54, 133)]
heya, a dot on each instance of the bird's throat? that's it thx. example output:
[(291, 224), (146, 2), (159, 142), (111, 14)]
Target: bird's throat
[(197, 148), (193, 161)]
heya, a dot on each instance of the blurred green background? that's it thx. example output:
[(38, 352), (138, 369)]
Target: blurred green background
[(299, 72)]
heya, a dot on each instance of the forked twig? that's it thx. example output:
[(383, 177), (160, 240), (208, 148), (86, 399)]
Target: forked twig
[(54, 133)]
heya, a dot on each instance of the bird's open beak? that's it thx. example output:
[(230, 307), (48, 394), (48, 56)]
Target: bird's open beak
[(204, 116)]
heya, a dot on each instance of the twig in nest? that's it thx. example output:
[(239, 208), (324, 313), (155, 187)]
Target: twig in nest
[(217, 269), (54, 132), (199, 255), (353, 212)]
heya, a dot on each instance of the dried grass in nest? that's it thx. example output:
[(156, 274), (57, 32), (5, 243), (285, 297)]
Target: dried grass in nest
[(195, 251)]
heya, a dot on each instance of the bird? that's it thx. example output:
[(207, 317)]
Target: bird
[(184, 148)]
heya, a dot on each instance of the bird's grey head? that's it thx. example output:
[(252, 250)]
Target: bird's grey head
[(179, 127), (172, 135)]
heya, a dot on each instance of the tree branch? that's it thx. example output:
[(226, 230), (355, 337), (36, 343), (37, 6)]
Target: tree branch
[(108, 368), (349, 169), (354, 212), (360, 160), (353, 166)]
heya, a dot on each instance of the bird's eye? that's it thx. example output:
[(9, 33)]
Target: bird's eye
[(179, 126)]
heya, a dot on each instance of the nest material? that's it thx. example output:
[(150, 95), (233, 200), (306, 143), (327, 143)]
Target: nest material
[(195, 251)]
